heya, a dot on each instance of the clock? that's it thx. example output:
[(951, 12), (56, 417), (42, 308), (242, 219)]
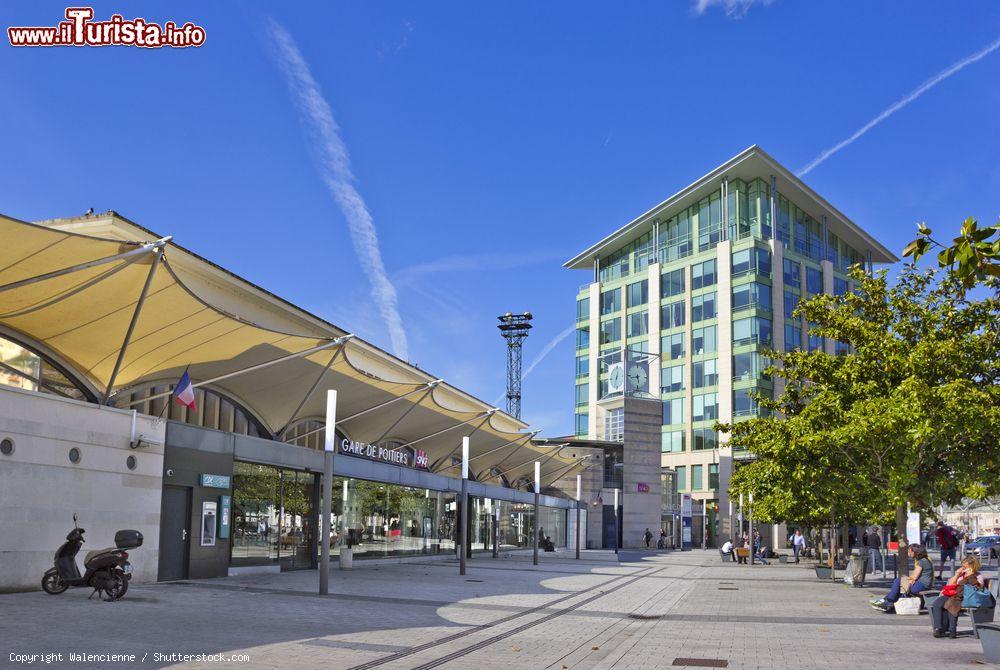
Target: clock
[(616, 377), (637, 378)]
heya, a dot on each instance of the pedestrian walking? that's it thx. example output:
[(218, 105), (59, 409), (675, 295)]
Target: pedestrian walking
[(798, 541), (948, 541), (648, 536)]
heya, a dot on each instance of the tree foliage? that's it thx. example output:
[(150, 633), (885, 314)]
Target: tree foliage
[(971, 257), (911, 415)]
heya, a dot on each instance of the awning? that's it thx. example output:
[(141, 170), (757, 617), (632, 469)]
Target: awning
[(121, 316)]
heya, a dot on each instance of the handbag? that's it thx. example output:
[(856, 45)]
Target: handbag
[(975, 598), (949, 590), (908, 606)]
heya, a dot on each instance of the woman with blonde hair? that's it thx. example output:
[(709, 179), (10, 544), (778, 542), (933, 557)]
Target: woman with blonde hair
[(946, 607)]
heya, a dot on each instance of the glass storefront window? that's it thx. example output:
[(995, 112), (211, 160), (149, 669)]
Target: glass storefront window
[(273, 519)]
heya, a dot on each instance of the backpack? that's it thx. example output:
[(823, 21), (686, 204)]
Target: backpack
[(948, 538)]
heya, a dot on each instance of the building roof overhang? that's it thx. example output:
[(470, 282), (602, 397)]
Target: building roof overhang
[(751, 163), (126, 310)]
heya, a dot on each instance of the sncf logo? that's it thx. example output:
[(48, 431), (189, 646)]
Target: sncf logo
[(420, 459)]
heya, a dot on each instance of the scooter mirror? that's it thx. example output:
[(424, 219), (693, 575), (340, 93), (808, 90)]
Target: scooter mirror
[(74, 518)]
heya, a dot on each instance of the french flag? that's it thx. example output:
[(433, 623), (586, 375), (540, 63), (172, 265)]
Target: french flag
[(184, 391)]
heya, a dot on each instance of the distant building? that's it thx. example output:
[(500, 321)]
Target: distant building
[(682, 301)]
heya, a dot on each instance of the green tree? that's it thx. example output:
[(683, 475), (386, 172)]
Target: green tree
[(910, 416), (971, 257)]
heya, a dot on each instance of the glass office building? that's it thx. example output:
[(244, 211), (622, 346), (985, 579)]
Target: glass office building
[(684, 300)]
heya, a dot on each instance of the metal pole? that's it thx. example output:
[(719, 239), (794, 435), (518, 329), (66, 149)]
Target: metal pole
[(131, 324), (538, 476), (144, 249), (325, 505), (464, 510), (704, 529), (750, 532), (616, 521), (312, 389), (252, 368), (578, 491), (496, 528)]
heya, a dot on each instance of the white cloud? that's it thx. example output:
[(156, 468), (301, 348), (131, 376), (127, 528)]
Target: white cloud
[(474, 263), (734, 9), (335, 169), (902, 102), (393, 48)]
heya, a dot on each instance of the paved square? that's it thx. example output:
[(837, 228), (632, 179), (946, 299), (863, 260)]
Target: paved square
[(644, 612)]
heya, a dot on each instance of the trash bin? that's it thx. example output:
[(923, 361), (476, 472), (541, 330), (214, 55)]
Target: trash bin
[(857, 566), (989, 637)]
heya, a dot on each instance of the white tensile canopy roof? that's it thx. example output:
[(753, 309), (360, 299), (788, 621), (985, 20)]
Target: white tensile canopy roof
[(123, 310)]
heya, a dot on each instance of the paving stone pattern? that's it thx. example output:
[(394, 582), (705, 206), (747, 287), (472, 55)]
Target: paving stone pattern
[(643, 612)]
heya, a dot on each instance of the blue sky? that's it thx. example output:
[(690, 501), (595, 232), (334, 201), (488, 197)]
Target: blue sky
[(489, 143)]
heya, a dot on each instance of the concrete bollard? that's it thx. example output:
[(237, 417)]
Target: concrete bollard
[(346, 558)]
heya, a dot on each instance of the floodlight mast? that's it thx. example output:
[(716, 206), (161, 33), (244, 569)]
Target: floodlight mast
[(514, 328)]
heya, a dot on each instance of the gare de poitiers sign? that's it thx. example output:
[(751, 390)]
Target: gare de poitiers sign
[(404, 456)]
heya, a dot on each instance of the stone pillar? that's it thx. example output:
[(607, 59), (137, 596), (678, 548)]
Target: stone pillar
[(655, 362), (641, 484), (828, 290), (593, 364), (778, 303), (724, 301)]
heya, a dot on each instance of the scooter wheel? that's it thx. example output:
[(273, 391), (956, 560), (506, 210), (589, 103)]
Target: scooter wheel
[(52, 584), (116, 586)]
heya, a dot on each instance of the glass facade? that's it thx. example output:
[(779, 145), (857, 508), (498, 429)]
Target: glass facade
[(22, 368), (748, 215), (275, 519)]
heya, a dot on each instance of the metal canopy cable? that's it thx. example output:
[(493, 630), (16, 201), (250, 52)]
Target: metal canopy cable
[(252, 368), (526, 438), (513, 451), (555, 452), (452, 452), (506, 444), (395, 423), (305, 398), (445, 430), (430, 384), (131, 325), (146, 248), (370, 409), (572, 465)]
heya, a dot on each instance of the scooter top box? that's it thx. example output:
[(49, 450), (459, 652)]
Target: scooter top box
[(128, 539)]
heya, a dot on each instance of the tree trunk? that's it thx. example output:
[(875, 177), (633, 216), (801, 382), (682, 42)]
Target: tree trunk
[(833, 547), (901, 559)]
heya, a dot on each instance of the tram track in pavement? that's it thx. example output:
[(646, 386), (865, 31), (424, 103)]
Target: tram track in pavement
[(603, 590)]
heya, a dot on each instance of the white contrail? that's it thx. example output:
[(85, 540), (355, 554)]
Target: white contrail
[(903, 102), (546, 350), (335, 167)]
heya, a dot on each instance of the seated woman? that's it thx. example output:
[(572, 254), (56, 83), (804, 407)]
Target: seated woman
[(946, 607), (919, 579)]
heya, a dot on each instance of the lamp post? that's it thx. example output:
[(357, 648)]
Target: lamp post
[(578, 491), (538, 477), (616, 521), (496, 528), (464, 509), (325, 504)]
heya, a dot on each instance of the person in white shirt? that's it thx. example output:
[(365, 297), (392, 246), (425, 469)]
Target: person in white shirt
[(798, 541), (727, 548)]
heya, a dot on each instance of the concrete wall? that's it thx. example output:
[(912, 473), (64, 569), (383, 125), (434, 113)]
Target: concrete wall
[(40, 488), (641, 510)]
